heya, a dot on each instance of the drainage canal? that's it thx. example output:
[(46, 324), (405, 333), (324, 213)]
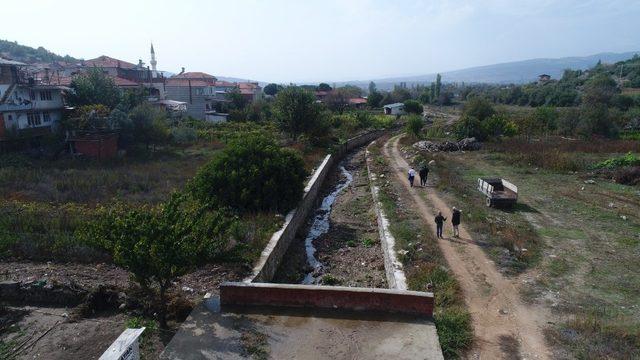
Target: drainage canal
[(339, 244), (320, 226)]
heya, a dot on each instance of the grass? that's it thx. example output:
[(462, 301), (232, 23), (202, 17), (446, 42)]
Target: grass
[(584, 236), (424, 265)]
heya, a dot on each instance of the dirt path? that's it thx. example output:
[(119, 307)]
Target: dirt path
[(504, 326)]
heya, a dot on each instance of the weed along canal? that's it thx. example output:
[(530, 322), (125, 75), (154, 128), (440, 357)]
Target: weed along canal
[(339, 244)]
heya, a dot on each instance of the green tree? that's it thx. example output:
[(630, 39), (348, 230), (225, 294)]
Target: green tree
[(372, 88), (414, 125), (296, 111), (413, 107), (236, 100), (94, 87), (272, 89), (469, 126), (253, 173), (159, 244), (438, 87), (149, 125), (324, 87), (478, 108), (374, 99), (545, 119)]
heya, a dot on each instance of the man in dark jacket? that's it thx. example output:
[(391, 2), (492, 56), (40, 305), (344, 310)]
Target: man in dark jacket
[(424, 172), (439, 223), (455, 221)]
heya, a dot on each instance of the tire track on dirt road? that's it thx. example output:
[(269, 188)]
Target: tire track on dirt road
[(500, 318)]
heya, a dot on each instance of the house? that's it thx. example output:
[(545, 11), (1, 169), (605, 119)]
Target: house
[(250, 91), (394, 109), (206, 96), (357, 103), (29, 106)]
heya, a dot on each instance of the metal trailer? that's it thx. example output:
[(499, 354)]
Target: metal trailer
[(499, 192)]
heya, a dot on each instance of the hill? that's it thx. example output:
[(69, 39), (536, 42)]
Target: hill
[(14, 51), (517, 72)]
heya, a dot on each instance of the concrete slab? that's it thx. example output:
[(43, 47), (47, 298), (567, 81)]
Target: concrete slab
[(287, 333)]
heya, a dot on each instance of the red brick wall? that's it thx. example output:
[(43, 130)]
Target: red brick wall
[(328, 297), (100, 148)]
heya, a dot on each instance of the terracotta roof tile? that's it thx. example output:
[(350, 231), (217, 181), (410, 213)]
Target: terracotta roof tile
[(108, 62)]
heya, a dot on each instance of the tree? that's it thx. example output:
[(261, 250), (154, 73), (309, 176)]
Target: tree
[(272, 89), (235, 98), (324, 87), (253, 173), (478, 108), (338, 100), (438, 86), (94, 87), (413, 107), (372, 88), (469, 126), (374, 99), (546, 119), (149, 125), (159, 244), (414, 125), (296, 111), (400, 94)]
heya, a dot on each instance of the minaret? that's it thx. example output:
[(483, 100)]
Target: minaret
[(153, 61)]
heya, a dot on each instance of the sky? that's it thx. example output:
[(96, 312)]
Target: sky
[(324, 40)]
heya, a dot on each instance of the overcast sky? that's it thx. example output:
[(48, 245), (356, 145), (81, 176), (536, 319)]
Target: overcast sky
[(329, 40)]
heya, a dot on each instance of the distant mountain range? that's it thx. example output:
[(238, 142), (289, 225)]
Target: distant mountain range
[(511, 72), (517, 72)]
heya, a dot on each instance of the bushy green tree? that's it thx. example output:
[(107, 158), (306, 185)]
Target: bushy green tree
[(94, 87), (272, 89), (253, 173), (158, 244), (413, 107), (478, 108), (414, 125), (374, 99), (324, 87), (296, 111), (149, 125), (469, 126)]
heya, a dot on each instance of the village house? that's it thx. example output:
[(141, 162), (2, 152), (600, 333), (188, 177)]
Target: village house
[(205, 96), (28, 105), (394, 109)]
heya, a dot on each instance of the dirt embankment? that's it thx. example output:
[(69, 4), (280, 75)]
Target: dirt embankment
[(350, 251)]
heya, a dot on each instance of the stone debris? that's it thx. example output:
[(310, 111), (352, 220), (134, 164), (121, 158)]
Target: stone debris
[(466, 144)]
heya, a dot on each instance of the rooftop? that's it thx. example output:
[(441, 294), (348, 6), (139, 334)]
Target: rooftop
[(108, 62)]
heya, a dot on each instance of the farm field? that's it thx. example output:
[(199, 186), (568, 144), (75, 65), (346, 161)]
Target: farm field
[(571, 243)]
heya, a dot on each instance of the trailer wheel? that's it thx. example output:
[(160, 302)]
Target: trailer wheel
[(488, 202)]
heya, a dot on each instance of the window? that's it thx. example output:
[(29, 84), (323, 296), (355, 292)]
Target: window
[(33, 119), (45, 95), (46, 117), (32, 95)]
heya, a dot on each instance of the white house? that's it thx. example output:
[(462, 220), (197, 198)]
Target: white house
[(394, 109), (27, 105)]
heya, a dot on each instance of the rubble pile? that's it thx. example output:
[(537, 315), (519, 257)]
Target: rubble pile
[(466, 144)]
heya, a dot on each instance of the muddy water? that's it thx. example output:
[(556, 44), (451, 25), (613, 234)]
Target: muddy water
[(321, 225)]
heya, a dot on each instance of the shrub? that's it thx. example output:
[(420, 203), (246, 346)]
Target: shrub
[(413, 107), (469, 126), (414, 125), (253, 173), (479, 108), (454, 331), (184, 135), (626, 160), (158, 244)]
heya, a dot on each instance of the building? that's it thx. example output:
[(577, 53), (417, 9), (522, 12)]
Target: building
[(29, 106), (394, 109), (205, 95), (357, 103)]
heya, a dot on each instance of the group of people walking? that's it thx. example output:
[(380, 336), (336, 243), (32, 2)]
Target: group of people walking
[(423, 172), (456, 214)]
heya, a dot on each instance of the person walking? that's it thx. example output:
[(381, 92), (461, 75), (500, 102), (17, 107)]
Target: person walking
[(424, 172), (439, 219), (455, 221), (412, 175)]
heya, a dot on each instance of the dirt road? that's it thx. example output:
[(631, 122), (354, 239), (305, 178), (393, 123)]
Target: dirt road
[(504, 327)]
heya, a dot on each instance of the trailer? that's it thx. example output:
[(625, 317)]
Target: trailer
[(499, 192)]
